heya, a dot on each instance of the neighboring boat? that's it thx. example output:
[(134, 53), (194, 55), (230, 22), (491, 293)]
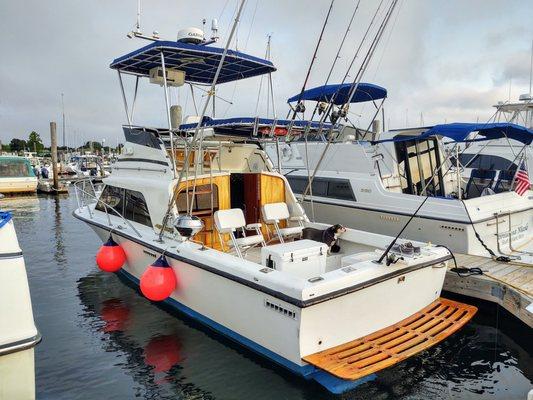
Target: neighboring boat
[(18, 334), (377, 185), (228, 259), (85, 165), (504, 155), (16, 175)]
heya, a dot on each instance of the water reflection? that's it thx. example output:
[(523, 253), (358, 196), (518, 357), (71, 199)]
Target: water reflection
[(104, 340), (59, 253), (477, 361), (21, 206)]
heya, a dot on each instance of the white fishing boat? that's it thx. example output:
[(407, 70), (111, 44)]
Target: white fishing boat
[(16, 175), (18, 334), (504, 155), (198, 218), (378, 185), (85, 165)]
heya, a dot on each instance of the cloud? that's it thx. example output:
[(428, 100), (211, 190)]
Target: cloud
[(446, 59)]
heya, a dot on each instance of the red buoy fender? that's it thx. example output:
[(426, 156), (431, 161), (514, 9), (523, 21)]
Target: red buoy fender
[(111, 256), (159, 280)]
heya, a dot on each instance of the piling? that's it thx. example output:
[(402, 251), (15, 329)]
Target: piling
[(53, 140)]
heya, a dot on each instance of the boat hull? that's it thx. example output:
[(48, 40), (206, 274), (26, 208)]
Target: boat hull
[(18, 185), (275, 328), (458, 236)]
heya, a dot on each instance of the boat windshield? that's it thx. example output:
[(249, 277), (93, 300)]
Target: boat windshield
[(13, 167)]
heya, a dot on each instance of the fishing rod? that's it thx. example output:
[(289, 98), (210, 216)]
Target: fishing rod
[(337, 56), (298, 104), (399, 234), (332, 99), (353, 88)]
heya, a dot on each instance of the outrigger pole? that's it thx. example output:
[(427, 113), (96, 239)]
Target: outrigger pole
[(198, 126)]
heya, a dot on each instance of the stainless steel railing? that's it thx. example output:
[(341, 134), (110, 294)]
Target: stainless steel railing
[(87, 194)]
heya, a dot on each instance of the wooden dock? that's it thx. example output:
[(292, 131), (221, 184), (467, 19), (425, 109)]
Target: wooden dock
[(508, 284)]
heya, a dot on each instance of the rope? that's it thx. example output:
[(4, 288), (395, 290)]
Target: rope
[(504, 259)]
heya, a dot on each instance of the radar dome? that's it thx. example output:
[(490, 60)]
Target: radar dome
[(191, 35)]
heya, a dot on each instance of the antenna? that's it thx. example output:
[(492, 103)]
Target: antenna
[(138, 25), (531, 70), (138, 32), (214, 29), (63, 111)]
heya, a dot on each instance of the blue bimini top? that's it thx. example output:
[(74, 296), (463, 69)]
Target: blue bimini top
[(199, 62), (460, 132), (340, 92), (5, 217)]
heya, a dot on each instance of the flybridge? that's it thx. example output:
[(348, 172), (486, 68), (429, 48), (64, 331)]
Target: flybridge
[(198, 61)]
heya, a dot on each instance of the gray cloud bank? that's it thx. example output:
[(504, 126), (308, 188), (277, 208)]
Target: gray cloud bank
[(440, 60)]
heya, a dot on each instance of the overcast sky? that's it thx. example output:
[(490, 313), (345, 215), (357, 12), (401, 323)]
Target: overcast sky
[(441, 60)]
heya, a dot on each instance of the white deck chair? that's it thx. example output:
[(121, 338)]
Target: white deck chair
[(228, 221), (274, 213)]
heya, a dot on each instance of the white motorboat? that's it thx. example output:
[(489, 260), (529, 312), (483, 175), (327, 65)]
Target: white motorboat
[(504, 155), (16, 175), (85, 165), (199, 219), (18, 334), (378, 185)]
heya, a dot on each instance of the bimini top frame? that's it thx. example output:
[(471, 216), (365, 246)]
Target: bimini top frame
[(250, 127), (199, 62)]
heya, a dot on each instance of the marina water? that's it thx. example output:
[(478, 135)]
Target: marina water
[(101, 339)]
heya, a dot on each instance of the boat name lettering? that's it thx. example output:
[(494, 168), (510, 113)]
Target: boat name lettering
[(150, 253)]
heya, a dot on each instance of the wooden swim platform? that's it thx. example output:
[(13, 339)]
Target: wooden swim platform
[(389, 346), (508, 284)]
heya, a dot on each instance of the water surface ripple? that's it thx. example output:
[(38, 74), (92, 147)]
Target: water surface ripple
[(102, 340)]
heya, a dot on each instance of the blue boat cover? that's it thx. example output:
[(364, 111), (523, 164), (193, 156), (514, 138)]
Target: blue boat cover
[(199, 62), (340, 92), (459, 132), (246, 124), (5, 217)]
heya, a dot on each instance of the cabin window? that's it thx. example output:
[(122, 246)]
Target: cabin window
[(128, 203), (486, 161), (205, 199), (418, 161), (113, 197), (135, 208), (323, 187), (340, 190), (12, 168)]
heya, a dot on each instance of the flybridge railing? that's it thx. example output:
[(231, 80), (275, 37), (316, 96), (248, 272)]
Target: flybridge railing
[(87, 194)]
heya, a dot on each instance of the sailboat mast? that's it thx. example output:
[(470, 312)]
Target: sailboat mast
[(63, 115)]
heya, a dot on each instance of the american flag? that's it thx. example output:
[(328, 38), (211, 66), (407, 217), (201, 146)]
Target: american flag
[(521, 180)]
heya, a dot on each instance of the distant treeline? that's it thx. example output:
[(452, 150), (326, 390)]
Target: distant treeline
[(35, 144)]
